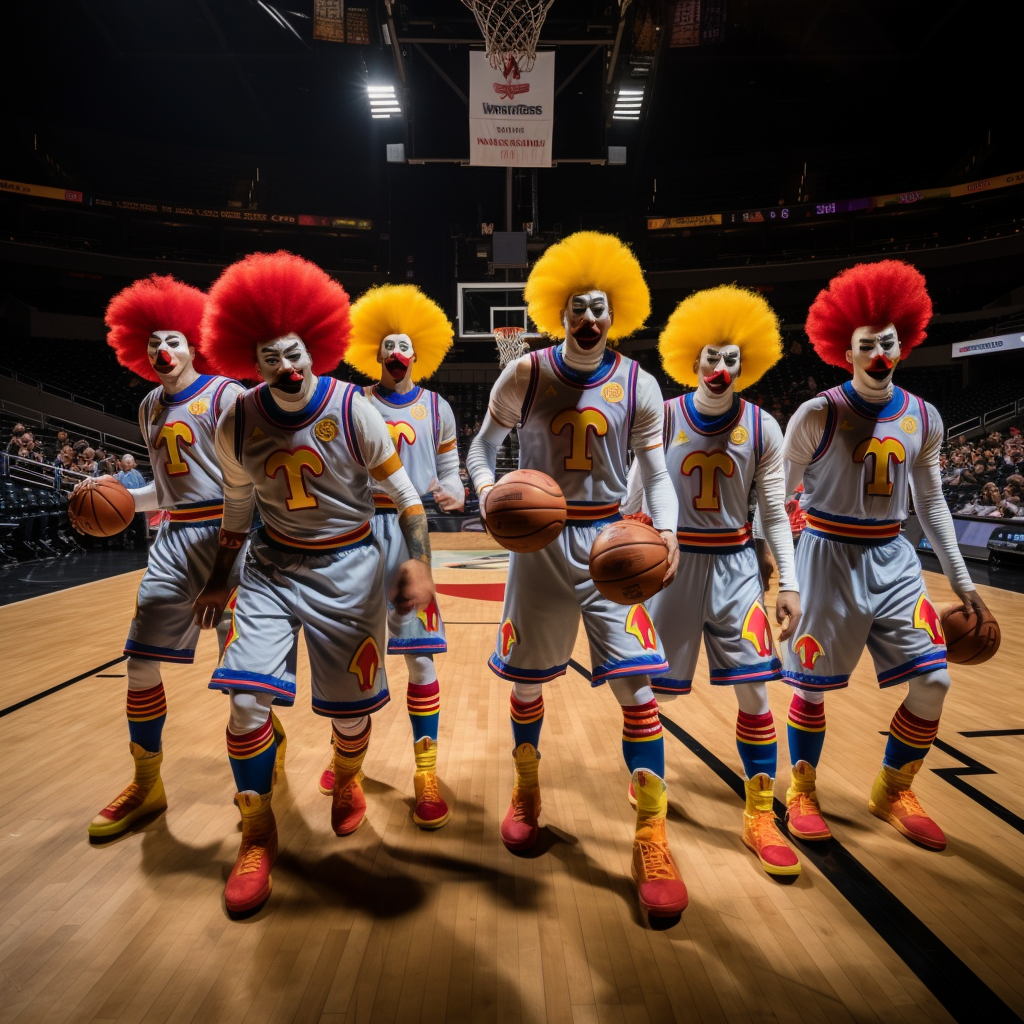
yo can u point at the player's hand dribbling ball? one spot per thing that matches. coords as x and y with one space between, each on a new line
972 635
525 510
101 507
628 562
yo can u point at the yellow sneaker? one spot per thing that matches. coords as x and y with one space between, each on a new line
430 811
894 801
144 795
761 833
803 815
659 885
519 828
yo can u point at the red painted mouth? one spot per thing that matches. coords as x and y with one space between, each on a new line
718 382
397 366
289 383
163 362
587 335
880 368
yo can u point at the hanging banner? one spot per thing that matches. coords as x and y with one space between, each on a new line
511 115
986 346
329 20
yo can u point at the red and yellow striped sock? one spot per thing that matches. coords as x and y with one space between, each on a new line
147 712
252 757
757 744
910 738
643 740
527 719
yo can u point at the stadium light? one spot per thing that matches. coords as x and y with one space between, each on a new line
628 103
383 101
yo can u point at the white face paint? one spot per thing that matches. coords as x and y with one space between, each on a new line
285 364
717 368
874 356
170 355
396 355
587 318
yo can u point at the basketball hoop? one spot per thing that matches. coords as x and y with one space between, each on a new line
510 344
510 29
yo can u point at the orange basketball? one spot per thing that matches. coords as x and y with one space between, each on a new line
102 511
628 562
525 510
970 639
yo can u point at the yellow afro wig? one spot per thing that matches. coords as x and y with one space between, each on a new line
586 261
398 309
725 315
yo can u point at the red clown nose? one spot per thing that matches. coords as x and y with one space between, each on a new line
163 361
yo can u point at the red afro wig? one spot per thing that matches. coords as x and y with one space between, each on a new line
157 303
266 296
869 295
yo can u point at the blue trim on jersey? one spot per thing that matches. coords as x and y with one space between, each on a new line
758 434
665 685
830 428
350 424
646 664
417 645
531 387
525 675
228 679
896 406
861 542
435 418
295 420
351 708
604 371
149 652
707 425
394 398
190 392
634 378
808 682
757 672
314 552
933 661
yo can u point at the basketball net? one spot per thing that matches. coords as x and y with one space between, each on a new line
510 344
510 29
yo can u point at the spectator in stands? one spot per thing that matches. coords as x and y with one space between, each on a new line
79 447
62 439
87 462
65 458
985 504
15 442
130 475
1012 503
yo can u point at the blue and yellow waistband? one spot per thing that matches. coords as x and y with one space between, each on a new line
717 542
324 546
587 513
204 512
851 530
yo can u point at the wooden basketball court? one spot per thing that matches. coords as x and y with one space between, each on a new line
396 924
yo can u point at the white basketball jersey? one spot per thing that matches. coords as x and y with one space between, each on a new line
861 468
312 488
711 463
576 429
180 433
414 423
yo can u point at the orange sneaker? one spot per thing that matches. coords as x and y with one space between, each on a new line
761 833
249 884
893 800
659 885
803 815
519 828
144 795
430 811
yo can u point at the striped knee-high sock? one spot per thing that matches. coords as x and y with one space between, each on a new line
527 718
424 704
756 742
806 730
349 751
910 738
147 712
252 758
643 742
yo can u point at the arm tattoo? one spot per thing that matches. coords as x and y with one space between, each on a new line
413 525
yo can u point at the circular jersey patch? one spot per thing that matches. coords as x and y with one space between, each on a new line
612 392
419 411
909 425
326 430
739 435
198 408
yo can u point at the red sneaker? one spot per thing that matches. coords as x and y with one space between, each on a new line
249 884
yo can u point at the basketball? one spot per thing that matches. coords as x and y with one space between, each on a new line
628 562
970 639
525 510
102 511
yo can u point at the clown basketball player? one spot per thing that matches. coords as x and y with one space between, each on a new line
861 449
717 447
579 406
303 448
402 336
154 326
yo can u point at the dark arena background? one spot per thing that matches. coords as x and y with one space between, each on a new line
769 144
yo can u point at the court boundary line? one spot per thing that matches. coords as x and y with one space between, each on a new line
960 991
60 686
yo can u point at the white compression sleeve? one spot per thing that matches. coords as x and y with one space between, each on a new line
448 473
771 503
483 452
634 499
239 493
144 497
658 490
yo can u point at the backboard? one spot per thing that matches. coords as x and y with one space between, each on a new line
484 305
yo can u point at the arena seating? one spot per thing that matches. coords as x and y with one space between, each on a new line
33 524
